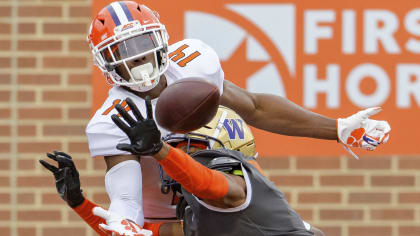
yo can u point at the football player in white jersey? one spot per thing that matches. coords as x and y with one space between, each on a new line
130 46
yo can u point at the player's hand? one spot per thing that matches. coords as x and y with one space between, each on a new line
116 225
360 131
66 178
143 133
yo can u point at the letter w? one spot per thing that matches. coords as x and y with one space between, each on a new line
232 127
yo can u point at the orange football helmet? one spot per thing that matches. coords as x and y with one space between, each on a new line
125 31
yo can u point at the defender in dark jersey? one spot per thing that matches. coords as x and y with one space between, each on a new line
263 209
221 187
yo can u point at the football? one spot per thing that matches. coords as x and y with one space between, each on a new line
187 105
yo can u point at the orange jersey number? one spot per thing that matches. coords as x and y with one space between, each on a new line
114 103
180 57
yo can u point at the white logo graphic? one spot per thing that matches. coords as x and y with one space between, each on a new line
225 37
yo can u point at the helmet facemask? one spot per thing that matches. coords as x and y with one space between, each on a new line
132 42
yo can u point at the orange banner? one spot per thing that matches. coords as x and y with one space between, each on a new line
332 57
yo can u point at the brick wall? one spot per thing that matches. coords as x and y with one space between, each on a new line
45 99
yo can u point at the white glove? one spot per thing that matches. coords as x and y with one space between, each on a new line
360 131
116 225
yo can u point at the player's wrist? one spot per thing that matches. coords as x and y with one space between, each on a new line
338 130
85 207
157 147
76 200
163 152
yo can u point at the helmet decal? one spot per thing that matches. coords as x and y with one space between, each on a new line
119 13
232 127
126 11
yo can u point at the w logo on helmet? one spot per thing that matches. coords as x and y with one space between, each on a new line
235 128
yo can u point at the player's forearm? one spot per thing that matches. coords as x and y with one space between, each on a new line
124 187
279 115
85 212
194 177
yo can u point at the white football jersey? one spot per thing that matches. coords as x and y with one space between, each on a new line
189 58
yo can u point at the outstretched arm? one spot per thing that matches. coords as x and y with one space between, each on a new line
277 114
68 187
212 186
104 222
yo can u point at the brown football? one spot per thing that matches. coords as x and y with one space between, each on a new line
187 105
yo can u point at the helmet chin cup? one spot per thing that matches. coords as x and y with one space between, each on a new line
142 73
144 76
